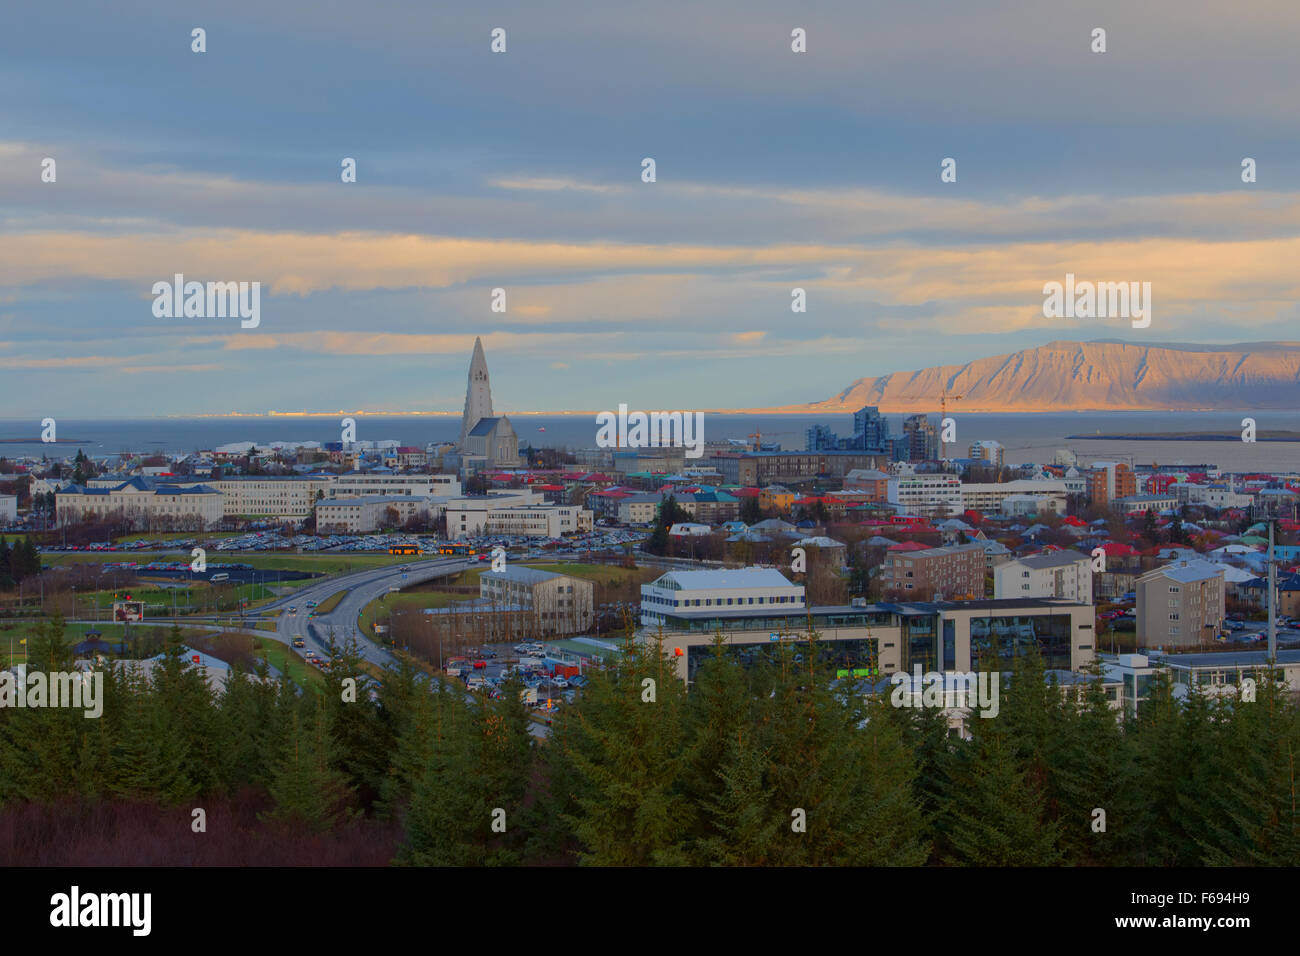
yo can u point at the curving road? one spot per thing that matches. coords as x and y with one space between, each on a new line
361 588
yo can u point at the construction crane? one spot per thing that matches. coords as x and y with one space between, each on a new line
758 440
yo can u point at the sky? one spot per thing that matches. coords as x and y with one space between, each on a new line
522 171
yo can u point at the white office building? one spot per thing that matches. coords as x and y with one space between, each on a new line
421 486
935 495
706 594
988 497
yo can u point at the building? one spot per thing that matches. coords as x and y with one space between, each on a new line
991 452
1138 504
933 495
642 508
8 509
291 497
1209 496
988 497
760 468
1180 605
820 438
486 441
1053 574
469 515
368 513
875 484
1027 506
921 437
538 521
139 502
1109 480
359 484
561 604
684 596
861 640
955 572
520 512
871 429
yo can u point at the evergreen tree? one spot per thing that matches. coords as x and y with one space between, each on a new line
628 760
306 788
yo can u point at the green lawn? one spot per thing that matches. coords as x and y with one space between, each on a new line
287 661
330 603
320 563
377 611
159 602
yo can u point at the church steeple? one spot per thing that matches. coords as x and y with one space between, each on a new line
478 392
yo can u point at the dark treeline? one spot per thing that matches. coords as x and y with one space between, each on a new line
769 765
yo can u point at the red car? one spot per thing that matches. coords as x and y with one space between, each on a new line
479 664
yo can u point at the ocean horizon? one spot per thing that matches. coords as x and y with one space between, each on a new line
1027 437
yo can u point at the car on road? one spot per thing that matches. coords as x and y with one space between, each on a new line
479 665
299 642
293 610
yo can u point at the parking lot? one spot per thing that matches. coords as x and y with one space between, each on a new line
488 667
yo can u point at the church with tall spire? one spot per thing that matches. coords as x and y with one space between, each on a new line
486 440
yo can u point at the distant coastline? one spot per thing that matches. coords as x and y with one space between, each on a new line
1274 435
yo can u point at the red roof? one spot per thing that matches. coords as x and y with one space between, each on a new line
1118 550
908 546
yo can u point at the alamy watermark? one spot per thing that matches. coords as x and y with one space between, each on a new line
1098 300
56 689
949 689
651 430
215 300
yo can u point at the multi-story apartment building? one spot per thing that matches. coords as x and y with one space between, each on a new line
953 573
871 429
8 508
561 604
922 438
1180 605
1052 574
991 452
642 508
1109 480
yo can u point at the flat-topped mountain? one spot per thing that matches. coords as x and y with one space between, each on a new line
1092 376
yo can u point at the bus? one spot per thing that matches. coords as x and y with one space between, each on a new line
405 549
455 548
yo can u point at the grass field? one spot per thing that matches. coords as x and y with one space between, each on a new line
287 661
320 563
377 611
330 603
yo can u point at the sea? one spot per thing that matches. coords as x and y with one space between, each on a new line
1026 437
